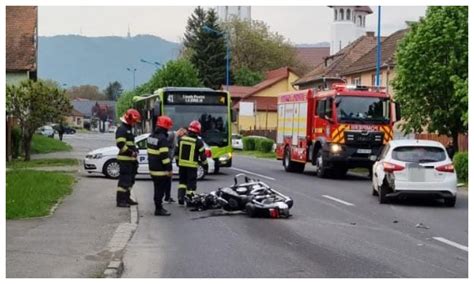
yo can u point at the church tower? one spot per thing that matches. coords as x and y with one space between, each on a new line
348 25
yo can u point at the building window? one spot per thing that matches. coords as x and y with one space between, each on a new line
348 16
341 12
359 21
335 15
356 81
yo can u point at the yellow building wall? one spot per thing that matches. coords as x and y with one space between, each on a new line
366 78
263 120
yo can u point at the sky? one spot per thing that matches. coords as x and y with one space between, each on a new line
301 24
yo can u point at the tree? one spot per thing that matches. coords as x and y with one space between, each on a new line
35 104
89 92
255 47
113 91
207 50
247 77
432 70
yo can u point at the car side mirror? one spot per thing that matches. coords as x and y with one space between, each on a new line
398 114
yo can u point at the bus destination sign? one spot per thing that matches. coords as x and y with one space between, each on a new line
195 99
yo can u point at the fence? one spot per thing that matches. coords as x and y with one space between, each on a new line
443 139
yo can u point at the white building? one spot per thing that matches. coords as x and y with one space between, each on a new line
348 25
226 13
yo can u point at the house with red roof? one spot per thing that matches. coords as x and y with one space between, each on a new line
257 105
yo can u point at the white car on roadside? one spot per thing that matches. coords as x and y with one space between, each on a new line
46 130
104 160
414 167
237 142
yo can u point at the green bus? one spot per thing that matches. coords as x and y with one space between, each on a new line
210 107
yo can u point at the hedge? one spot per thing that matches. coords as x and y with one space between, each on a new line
249 143
461 165
265 145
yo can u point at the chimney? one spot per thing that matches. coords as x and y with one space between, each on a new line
371 34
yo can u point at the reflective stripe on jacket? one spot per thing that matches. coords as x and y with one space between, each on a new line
125 141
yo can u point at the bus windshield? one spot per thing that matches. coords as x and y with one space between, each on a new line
213 119
363 109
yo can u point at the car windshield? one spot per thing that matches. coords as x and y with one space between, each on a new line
363 110
213 119
419 154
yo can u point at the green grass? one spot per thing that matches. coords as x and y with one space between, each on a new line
42 163
33 193
42 144
257 154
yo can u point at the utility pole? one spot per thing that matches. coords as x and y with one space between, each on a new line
133 70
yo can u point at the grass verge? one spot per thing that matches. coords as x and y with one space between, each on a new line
257 154
42 144
42 163
33 193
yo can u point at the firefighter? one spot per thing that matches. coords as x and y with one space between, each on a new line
189 155
127 157
159 162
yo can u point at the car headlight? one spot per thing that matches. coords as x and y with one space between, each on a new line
95 156
335 148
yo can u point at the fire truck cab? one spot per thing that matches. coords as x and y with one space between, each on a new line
337 129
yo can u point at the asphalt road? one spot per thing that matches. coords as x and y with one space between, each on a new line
338 229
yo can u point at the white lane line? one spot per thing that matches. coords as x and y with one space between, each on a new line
252 173
451 243
338 200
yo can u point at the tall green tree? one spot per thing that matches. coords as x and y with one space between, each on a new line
255 47
432 71
113 90
90 92
246 77
175 73
34 104
206 47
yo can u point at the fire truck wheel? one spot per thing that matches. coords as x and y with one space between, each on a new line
321 171
291 166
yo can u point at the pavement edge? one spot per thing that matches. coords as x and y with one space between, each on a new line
118 243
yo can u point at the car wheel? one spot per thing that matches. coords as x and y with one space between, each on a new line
73 131
289 165
450 201
111 169
201 173
216 166
382 194
321 170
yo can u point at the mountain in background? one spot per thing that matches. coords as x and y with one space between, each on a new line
77 60
319 44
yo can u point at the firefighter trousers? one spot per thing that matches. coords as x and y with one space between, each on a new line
187 181
161 186
128 171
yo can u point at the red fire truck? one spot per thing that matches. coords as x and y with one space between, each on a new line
338 129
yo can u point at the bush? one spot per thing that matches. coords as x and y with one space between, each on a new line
265 145
16 142
461 165
249 143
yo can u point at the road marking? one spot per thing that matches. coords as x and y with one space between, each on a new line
252 173
451 243
338 200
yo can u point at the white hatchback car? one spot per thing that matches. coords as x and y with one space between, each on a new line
237 142
414 167
104 160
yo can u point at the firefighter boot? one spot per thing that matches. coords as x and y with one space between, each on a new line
129 200
181 193
122 199
160 211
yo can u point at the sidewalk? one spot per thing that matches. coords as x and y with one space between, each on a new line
73 242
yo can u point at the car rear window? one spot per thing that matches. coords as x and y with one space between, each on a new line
419 154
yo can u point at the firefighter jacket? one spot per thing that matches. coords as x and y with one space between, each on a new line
191 151
158 149
126 143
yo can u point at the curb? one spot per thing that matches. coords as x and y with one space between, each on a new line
118 243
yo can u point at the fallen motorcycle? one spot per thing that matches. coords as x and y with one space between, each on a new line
254 197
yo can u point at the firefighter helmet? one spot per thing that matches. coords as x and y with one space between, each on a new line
195 126
164 122
132 116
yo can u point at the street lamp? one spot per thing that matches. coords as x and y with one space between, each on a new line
155 63
227 66
133 71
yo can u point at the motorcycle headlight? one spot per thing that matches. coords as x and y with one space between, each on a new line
335 148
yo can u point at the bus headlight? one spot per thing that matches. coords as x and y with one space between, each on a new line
335 148
225 157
